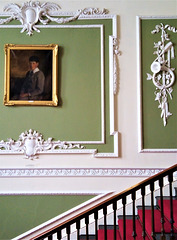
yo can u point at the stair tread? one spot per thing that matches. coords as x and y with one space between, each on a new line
129 229
157 221
166 204
110 234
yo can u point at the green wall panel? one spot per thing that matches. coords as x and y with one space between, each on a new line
155 135
21 213
75 83
78 116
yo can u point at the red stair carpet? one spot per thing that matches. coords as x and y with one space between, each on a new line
138 223
110 233
166 204
129 228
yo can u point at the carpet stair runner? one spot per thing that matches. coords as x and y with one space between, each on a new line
166 204
129 227
138 222
110 233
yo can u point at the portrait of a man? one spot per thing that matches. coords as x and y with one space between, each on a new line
31 76
33 84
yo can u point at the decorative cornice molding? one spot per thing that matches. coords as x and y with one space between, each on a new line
79 172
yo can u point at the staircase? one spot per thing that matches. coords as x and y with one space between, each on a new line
146 211
139 226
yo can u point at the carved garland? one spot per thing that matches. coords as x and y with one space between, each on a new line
163 77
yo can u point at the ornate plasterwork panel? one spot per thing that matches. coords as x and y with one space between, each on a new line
34 17
156 76
163 76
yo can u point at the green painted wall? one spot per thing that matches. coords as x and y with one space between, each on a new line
21 213
78 116
155 135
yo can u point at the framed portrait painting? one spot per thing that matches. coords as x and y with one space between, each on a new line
31 75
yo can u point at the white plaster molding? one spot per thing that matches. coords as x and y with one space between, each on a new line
78 150
116 52
78 172
139 84
94 11
31 143
113 154
113 63
102 141
113 78
51 193
31 13
102 62
42 10
159 150
163 77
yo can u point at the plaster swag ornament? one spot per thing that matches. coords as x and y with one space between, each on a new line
31 143
31 13
163 75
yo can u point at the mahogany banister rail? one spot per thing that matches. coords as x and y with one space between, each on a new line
168 174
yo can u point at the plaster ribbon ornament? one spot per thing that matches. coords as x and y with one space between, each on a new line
31 13
31 143
163 75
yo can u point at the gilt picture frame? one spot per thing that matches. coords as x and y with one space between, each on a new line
31 75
